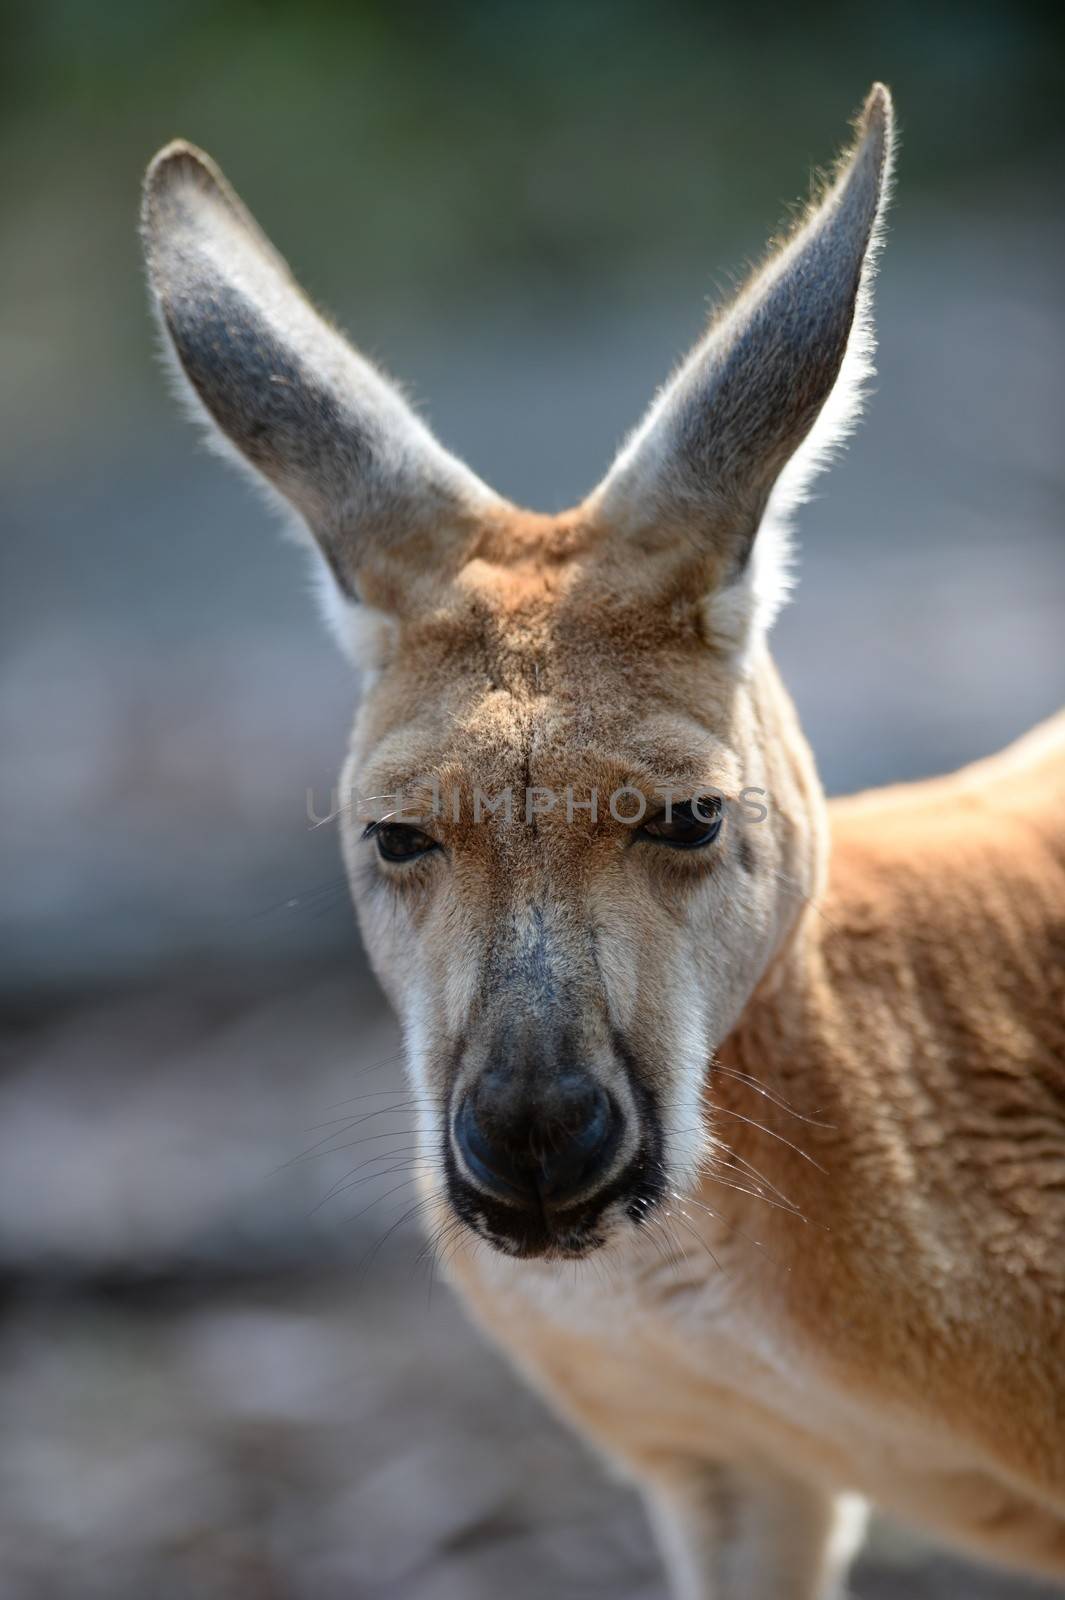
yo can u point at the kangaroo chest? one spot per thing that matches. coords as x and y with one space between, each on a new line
684 1363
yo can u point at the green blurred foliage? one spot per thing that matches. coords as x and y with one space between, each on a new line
399 153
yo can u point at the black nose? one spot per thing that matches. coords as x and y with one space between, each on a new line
537 1152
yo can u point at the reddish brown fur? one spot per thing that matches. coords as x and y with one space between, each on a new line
913 1011
918 1012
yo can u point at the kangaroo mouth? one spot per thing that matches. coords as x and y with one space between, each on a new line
569 1234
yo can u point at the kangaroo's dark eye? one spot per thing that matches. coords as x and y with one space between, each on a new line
398 841
690 826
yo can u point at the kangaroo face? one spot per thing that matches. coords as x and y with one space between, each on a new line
576 815
563 955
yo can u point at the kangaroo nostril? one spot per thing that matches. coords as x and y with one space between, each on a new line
537 1153
571 1156
490 1160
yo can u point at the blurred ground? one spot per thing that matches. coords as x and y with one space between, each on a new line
242 1397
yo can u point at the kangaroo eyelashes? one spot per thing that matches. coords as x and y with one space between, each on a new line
397 841
690 826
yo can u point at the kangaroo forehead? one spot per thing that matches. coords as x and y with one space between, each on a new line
506 741
571 645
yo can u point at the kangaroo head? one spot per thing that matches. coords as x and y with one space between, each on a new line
578 818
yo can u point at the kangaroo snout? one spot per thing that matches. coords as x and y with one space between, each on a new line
542 1150
537 1148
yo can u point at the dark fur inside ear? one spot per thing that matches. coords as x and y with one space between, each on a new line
285 420
315 419
706 459
781 349
287 423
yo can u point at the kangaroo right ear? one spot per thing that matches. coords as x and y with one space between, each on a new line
320 424
778 376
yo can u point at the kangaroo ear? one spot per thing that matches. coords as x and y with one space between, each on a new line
695 480
320 424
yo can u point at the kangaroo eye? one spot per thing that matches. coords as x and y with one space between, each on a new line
690 826
397 841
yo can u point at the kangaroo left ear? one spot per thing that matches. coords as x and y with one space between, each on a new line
388 507
780 368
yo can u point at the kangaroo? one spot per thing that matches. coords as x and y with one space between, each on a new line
740 1114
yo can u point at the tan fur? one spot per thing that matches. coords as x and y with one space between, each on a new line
889 1320
904 1337
846 1278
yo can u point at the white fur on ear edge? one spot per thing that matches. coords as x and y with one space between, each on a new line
739 617
366 635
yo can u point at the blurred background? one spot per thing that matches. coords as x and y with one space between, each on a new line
219 1377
